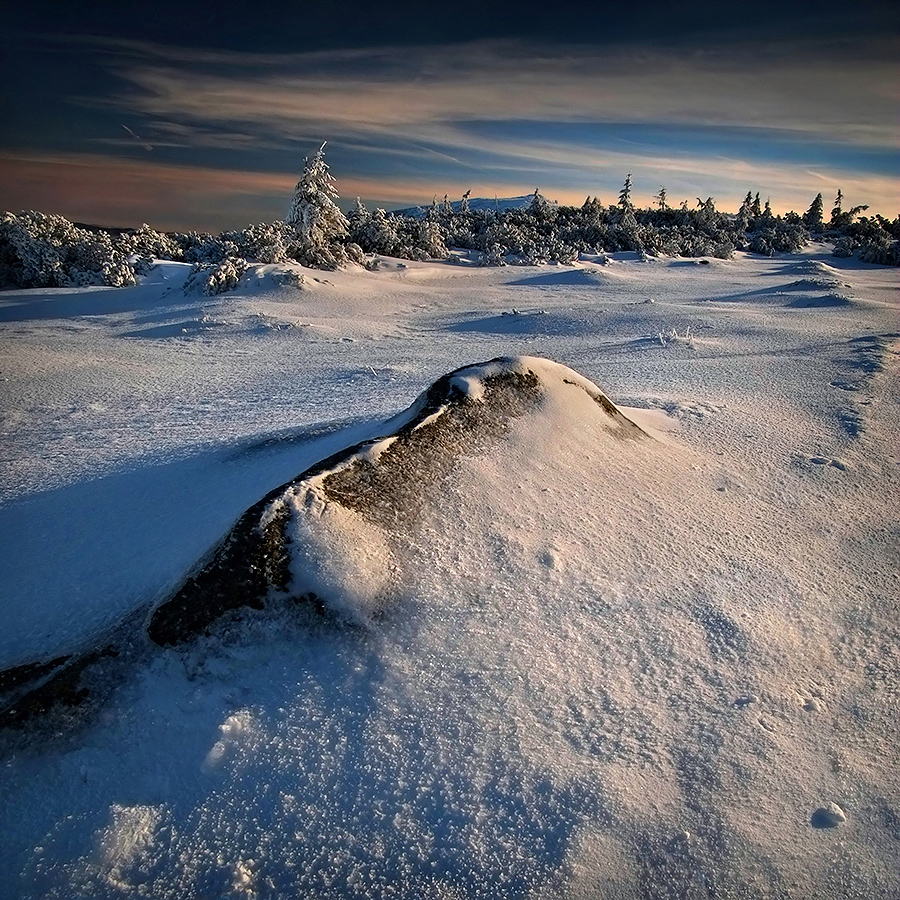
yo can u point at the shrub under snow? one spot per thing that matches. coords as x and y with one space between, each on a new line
40 250
216 279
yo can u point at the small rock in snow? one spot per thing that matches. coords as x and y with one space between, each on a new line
828 816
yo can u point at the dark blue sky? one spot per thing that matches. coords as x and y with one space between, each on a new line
200 114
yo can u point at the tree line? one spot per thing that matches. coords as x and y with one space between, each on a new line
43 250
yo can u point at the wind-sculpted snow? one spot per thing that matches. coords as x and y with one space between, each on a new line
510 646
331 536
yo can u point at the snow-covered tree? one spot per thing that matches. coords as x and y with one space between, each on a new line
813 218
377 234
541 207
625 193
756 207
660 197
836 209
218 278
314 215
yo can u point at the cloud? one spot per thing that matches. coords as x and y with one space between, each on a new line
111 191
789 86
492 112
788 119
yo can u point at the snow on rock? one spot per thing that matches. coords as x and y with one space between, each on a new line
336 532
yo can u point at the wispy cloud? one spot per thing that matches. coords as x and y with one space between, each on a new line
791 87
491 116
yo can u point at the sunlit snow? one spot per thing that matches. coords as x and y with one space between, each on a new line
567 665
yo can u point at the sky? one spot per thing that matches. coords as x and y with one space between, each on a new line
200 115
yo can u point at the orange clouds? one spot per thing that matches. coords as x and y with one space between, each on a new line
111 191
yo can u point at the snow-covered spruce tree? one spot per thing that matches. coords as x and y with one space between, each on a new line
315 217
707 217
431 234
836 209
813 218
541 208
357 216
625 194
661 198
756 207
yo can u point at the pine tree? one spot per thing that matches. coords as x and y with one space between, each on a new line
745 213
625 194
836 209
756 208
660 198
464 203
707 213
813 219
314 215
540 207
358 215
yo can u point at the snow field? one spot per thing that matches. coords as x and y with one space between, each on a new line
598 668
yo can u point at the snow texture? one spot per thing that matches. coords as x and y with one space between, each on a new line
576 666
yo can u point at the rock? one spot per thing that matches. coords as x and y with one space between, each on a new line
828 816
334 520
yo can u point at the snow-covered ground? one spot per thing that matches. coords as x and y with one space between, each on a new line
598 667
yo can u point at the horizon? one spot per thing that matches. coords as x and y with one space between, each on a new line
201 118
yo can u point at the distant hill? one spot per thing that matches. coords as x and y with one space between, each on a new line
475 204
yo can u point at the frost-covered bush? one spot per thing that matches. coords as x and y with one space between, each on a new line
375 233
264 243
216 279
880 249
40 250
777 235
845 247
146 242
492 256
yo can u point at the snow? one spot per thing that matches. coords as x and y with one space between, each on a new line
573 666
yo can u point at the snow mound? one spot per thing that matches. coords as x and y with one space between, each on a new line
339 532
